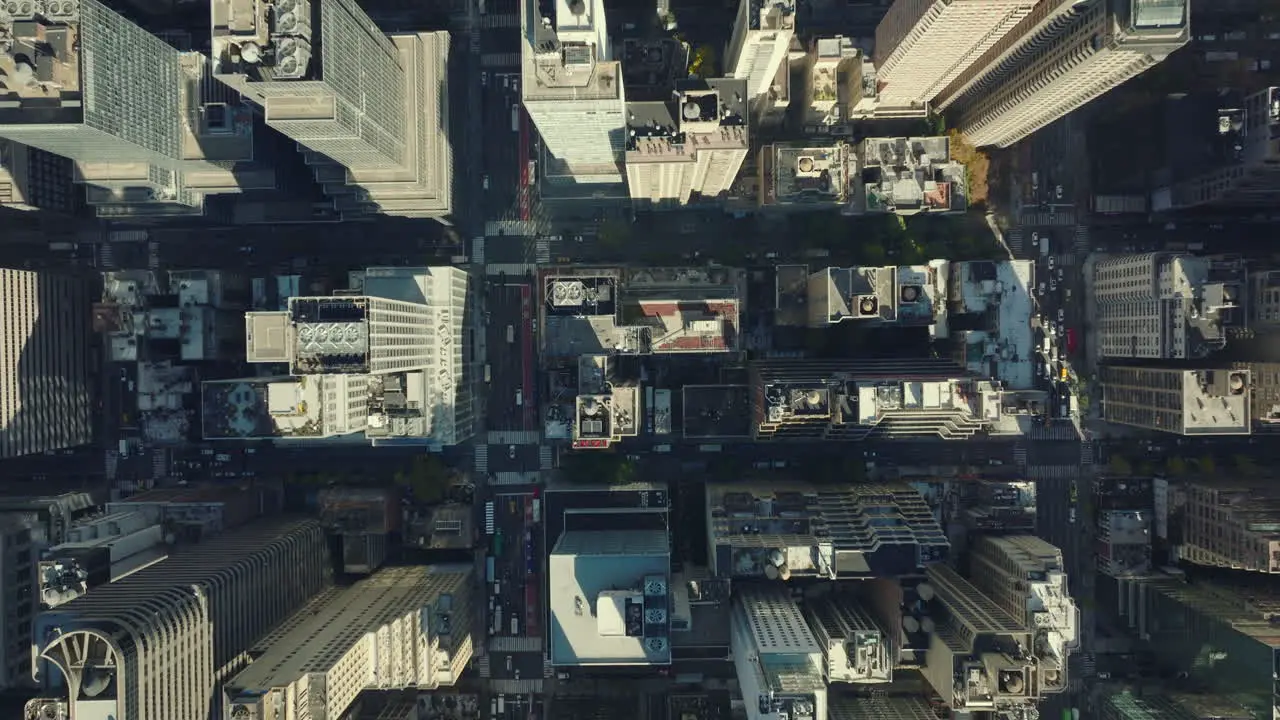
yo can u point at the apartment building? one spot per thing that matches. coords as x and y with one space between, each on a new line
1184 402
758 47
1167 305
46 401
1067 59
1230 523
369 109
693 144
922 45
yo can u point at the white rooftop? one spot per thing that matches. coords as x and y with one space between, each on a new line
597 587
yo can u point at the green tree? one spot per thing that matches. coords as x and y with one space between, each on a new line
614 234
1119 466
427 479
1176 466
1245 465
1206 464
598 467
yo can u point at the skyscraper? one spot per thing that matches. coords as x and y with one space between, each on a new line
138 117
922 45
1062 57
369 108
157 644
45 401
572 89
401 343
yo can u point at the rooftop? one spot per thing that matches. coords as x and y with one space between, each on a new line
771 15
329 334
858 293
609 598
910 175
567 59
650 67
713 412
602 419
268 337
267 41
1215 401
701 115
793 528
806 175
984 288
40 62
262 408
654 310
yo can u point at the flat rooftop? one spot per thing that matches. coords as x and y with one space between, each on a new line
42 68
701 116
1216 401
609 599
716 411
806 175
910 174
262 407
1005 287
654 310
859 293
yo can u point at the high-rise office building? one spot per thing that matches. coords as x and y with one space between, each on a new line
1229 523
572 89
402 342
778 661
404 627
1174 400
979 656
370 109
759 45
922 45
1166 305
158 644
1244 169
45 396
1061 57
148 132
694 143
855 647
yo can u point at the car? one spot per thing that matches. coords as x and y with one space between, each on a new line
1057 192
1041 293
508 663
511 452
993 461
1035 237
485 182
1051 262
1062 314
1071 516
484 79
533 325
1053 285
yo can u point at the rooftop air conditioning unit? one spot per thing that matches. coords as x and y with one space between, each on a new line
61 10
293 57
868 305
21 9
807 166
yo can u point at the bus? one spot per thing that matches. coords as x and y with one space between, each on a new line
489 569
488 373
497 543
515 118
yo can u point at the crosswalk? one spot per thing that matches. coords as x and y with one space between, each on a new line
105 259
1015 241
543 256
1045 219
110 464
482 667
515 478
1089 664
1020 455
488 22
1086 452
1081 240
545 460
521 228
500 60
548 670
489 523
1054 431
482 458
477 251
510 268
514 437
1050 472
159 464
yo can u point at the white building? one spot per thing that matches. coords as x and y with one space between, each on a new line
370 109
1176 400
1061 66
310 407
854 646
1165 305
572 90
404 627
778 661
1024 575
694 143
402 341
761 40
45 401
156 645
922 45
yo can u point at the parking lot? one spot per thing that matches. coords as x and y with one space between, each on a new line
508 332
